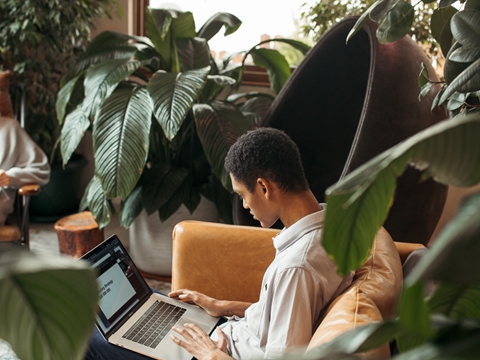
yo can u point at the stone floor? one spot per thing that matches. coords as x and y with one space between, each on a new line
43 239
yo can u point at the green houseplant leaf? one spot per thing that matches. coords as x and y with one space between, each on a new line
102 79
396 24
121 139
75 126
213 25
359 203
131 207
48 305
107 45
456 301
276 65
454 252
160 184
95 200
173 95
219 125
466 27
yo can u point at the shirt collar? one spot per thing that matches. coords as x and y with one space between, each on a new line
289 236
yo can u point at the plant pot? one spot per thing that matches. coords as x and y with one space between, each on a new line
60 197
151 239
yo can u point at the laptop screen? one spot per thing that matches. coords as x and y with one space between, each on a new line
121 286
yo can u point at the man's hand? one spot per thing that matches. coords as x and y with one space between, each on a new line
198 343
210 305
4 179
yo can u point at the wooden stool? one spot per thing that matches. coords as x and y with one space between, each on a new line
78 233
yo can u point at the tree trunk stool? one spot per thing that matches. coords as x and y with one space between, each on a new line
78 233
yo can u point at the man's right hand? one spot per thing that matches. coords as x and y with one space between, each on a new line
212 306
4 179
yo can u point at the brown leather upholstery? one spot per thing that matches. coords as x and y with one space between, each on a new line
228 262
352 309
223 261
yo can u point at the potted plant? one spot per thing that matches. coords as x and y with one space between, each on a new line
445 324
39 42
162 114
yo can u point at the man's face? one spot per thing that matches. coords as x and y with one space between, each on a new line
257 202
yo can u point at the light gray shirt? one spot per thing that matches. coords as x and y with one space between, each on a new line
300 281
23 161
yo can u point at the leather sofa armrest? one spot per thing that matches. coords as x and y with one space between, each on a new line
226 262
404 249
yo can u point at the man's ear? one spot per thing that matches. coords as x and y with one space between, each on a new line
265 187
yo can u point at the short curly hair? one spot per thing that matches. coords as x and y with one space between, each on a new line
268 153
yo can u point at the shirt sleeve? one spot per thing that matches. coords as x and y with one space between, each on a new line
295 302
27 163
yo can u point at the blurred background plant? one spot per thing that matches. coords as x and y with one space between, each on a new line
39 42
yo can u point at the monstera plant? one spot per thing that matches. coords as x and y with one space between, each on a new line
446 324
162 114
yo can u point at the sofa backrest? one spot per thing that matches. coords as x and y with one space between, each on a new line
370 298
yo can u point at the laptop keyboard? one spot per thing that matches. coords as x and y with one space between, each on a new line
152 327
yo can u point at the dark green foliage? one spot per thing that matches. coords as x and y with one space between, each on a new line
39 41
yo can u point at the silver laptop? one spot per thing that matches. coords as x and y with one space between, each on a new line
131 315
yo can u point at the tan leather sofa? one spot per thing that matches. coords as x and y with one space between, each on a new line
228 262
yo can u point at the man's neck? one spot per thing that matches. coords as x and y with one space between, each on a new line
299 206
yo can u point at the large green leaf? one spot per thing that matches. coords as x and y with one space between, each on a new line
359 203
121 139
102 79
160 184
176 200
440 27
455 340
131 207
75 126
47 307
465 54
276 65
193 53
457 301
157 27
219 125
360 339
466 27
298 45
467 81
173 95
94 199
380 9
213 25
396 24
362 21
63 98
107 45
454 255
414 315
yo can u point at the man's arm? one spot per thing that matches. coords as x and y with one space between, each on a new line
212 306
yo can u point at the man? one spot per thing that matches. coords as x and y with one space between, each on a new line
266 171
21 162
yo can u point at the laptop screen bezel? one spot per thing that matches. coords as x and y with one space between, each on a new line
140 297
